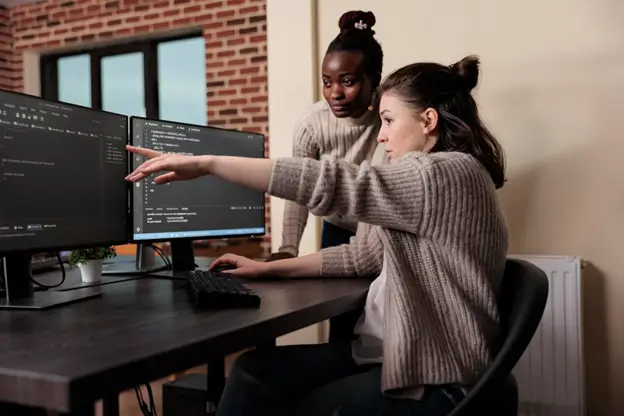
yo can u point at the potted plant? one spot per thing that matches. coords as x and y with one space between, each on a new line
90 261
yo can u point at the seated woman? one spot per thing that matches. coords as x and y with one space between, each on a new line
432 236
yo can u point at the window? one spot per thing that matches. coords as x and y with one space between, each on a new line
163 79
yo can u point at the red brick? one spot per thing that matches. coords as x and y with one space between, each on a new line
260 99
162 26
224 54
226 92
226 33
183 22
213 5
236 41
258 39
237 62
192 9
247 10
248 90
225 13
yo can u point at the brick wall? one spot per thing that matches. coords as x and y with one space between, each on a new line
236 47
5 49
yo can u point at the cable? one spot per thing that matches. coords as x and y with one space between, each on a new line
145 409
161 254
41 285
151 399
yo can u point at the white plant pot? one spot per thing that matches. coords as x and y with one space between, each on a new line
91 271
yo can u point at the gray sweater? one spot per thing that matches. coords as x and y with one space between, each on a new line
437 219
320 134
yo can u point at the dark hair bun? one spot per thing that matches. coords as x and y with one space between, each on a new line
468 70
357 21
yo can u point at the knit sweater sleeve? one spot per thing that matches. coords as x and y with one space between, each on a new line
391 196
305 145
362 257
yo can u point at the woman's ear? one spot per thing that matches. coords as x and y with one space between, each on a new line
430 121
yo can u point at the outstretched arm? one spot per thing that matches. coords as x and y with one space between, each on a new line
391 196
388 195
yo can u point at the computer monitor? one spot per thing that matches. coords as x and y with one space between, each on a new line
62 186
205 208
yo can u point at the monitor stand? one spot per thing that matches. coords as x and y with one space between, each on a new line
19 292
144 263
182 261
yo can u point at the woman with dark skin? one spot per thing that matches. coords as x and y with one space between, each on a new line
343 126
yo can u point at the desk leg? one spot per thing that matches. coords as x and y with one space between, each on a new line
215 383
110 406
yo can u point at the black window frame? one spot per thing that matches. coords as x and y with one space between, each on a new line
149 48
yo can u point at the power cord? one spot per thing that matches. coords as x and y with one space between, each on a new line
145 409
161 254
46 287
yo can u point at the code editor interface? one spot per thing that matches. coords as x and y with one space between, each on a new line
207 207
62 172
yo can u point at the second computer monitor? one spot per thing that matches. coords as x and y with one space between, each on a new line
204 208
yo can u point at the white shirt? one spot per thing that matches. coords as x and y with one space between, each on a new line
368 348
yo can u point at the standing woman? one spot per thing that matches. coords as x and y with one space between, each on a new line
344 126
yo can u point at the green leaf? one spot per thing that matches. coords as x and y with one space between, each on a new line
83 255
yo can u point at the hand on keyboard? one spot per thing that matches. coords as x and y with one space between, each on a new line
239 266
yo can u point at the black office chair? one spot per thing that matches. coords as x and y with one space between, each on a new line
523 298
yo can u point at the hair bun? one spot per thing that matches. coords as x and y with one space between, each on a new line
468 70
357 20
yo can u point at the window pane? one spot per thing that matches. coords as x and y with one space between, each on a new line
182 80
74 80
123 84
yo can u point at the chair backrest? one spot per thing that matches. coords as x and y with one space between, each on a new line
522 301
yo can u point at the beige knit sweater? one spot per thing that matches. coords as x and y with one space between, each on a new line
320 134
438 220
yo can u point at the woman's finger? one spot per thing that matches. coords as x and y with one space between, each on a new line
136 176
224 259
151 162
157 165
166 178
143 170
143 151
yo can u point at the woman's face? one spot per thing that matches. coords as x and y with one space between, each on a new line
346 87
403 130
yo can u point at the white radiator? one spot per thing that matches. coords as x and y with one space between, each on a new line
550 374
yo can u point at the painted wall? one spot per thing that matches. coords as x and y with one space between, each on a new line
552 91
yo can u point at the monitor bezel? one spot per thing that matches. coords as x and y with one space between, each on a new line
114 242
195 238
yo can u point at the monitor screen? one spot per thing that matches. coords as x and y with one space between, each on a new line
62 170
204 208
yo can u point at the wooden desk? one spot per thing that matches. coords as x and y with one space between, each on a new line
65 359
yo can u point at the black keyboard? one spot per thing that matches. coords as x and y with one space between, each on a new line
219 290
